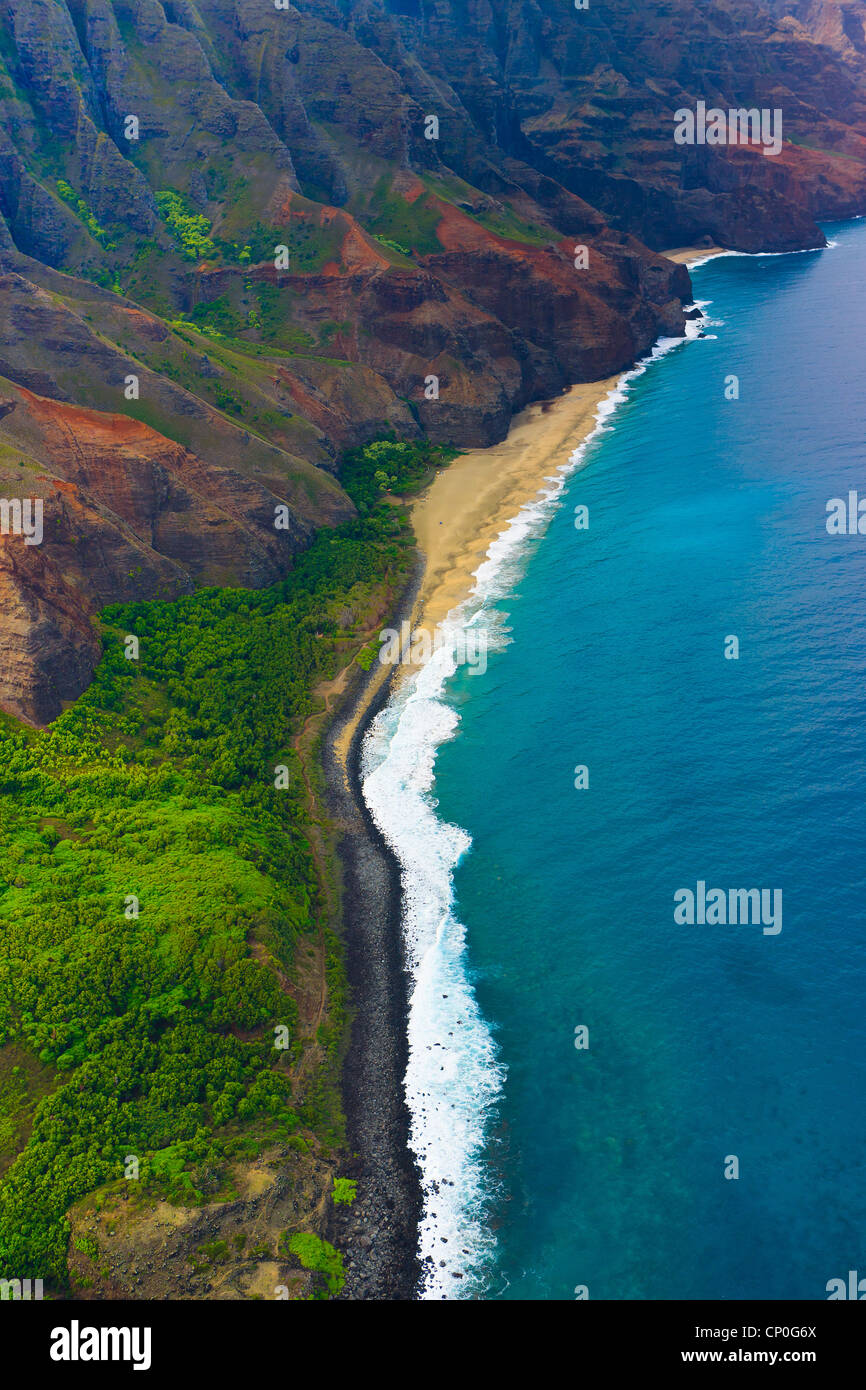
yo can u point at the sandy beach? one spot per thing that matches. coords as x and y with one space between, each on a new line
463 510
684 255
472 501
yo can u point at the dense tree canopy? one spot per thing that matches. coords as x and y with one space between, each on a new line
143 846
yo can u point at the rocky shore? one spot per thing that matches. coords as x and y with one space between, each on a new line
380 1229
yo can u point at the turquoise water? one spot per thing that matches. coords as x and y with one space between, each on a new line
707 519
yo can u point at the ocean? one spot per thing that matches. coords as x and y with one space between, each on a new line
606 1101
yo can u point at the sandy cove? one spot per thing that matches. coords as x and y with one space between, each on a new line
468 504
687 255
472 501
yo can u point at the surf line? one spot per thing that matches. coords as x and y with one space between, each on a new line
454 1076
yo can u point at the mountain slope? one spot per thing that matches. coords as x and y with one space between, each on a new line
239 208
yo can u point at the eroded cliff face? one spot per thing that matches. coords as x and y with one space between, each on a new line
127 511
283 225
123 511
837 24
589 97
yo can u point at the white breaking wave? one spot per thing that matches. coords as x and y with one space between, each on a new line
454 1077
754 255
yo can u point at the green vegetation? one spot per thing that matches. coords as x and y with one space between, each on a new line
24 1081
407 227
392 245
216 1251
345 1192
217 316
311 244
329 329
503 221
388 465
507 224
400 224
82 211
318 1255
87 1246
143 280
228 400
191 229
151 874
274 313
367 655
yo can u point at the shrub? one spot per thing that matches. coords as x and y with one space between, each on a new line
345 1192
318 1255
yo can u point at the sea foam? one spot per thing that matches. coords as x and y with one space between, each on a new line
454 1077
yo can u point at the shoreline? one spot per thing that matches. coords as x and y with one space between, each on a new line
380 1229
694 255
469 504
466 507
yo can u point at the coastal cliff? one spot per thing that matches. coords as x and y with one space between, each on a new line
471 200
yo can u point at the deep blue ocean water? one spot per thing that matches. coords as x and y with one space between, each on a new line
707 519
